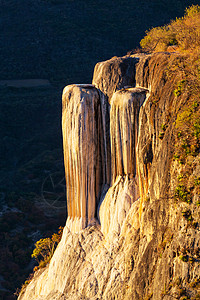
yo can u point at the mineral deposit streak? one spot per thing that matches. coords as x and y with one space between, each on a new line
87 139
125 106
83 153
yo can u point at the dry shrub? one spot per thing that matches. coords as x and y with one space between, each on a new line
183 32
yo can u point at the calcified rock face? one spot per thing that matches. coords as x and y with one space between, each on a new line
83 143
125 106
113 210
119 170
124 113
89 131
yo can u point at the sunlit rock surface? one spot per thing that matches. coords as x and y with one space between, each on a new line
124 114
116 205
135 250
83 144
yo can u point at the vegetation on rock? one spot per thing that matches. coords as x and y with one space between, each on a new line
43 252
44 248
183 71
183 32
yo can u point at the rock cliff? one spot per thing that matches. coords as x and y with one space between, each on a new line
126 235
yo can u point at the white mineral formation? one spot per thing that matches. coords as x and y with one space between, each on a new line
83 143
124 113
125 106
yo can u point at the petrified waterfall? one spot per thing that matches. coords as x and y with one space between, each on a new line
89 132
83 142
125 106
124 114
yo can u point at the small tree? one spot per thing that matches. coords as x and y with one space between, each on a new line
44 248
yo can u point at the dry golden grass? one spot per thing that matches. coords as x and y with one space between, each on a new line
183 32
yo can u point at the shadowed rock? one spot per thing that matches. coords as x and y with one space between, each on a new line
114 74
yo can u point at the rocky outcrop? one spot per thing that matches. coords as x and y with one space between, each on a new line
141 246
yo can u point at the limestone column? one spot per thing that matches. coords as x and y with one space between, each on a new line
125 106
83 143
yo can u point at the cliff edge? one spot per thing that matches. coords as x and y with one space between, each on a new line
132 230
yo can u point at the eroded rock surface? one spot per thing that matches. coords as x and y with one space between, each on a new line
124 114
116 206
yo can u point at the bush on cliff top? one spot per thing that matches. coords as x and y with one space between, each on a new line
183 37
183 32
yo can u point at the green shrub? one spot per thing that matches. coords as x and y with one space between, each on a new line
163 127
183 258
182 194
180 177
198 203
161 135
43 252
197 181
158 39
178 91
